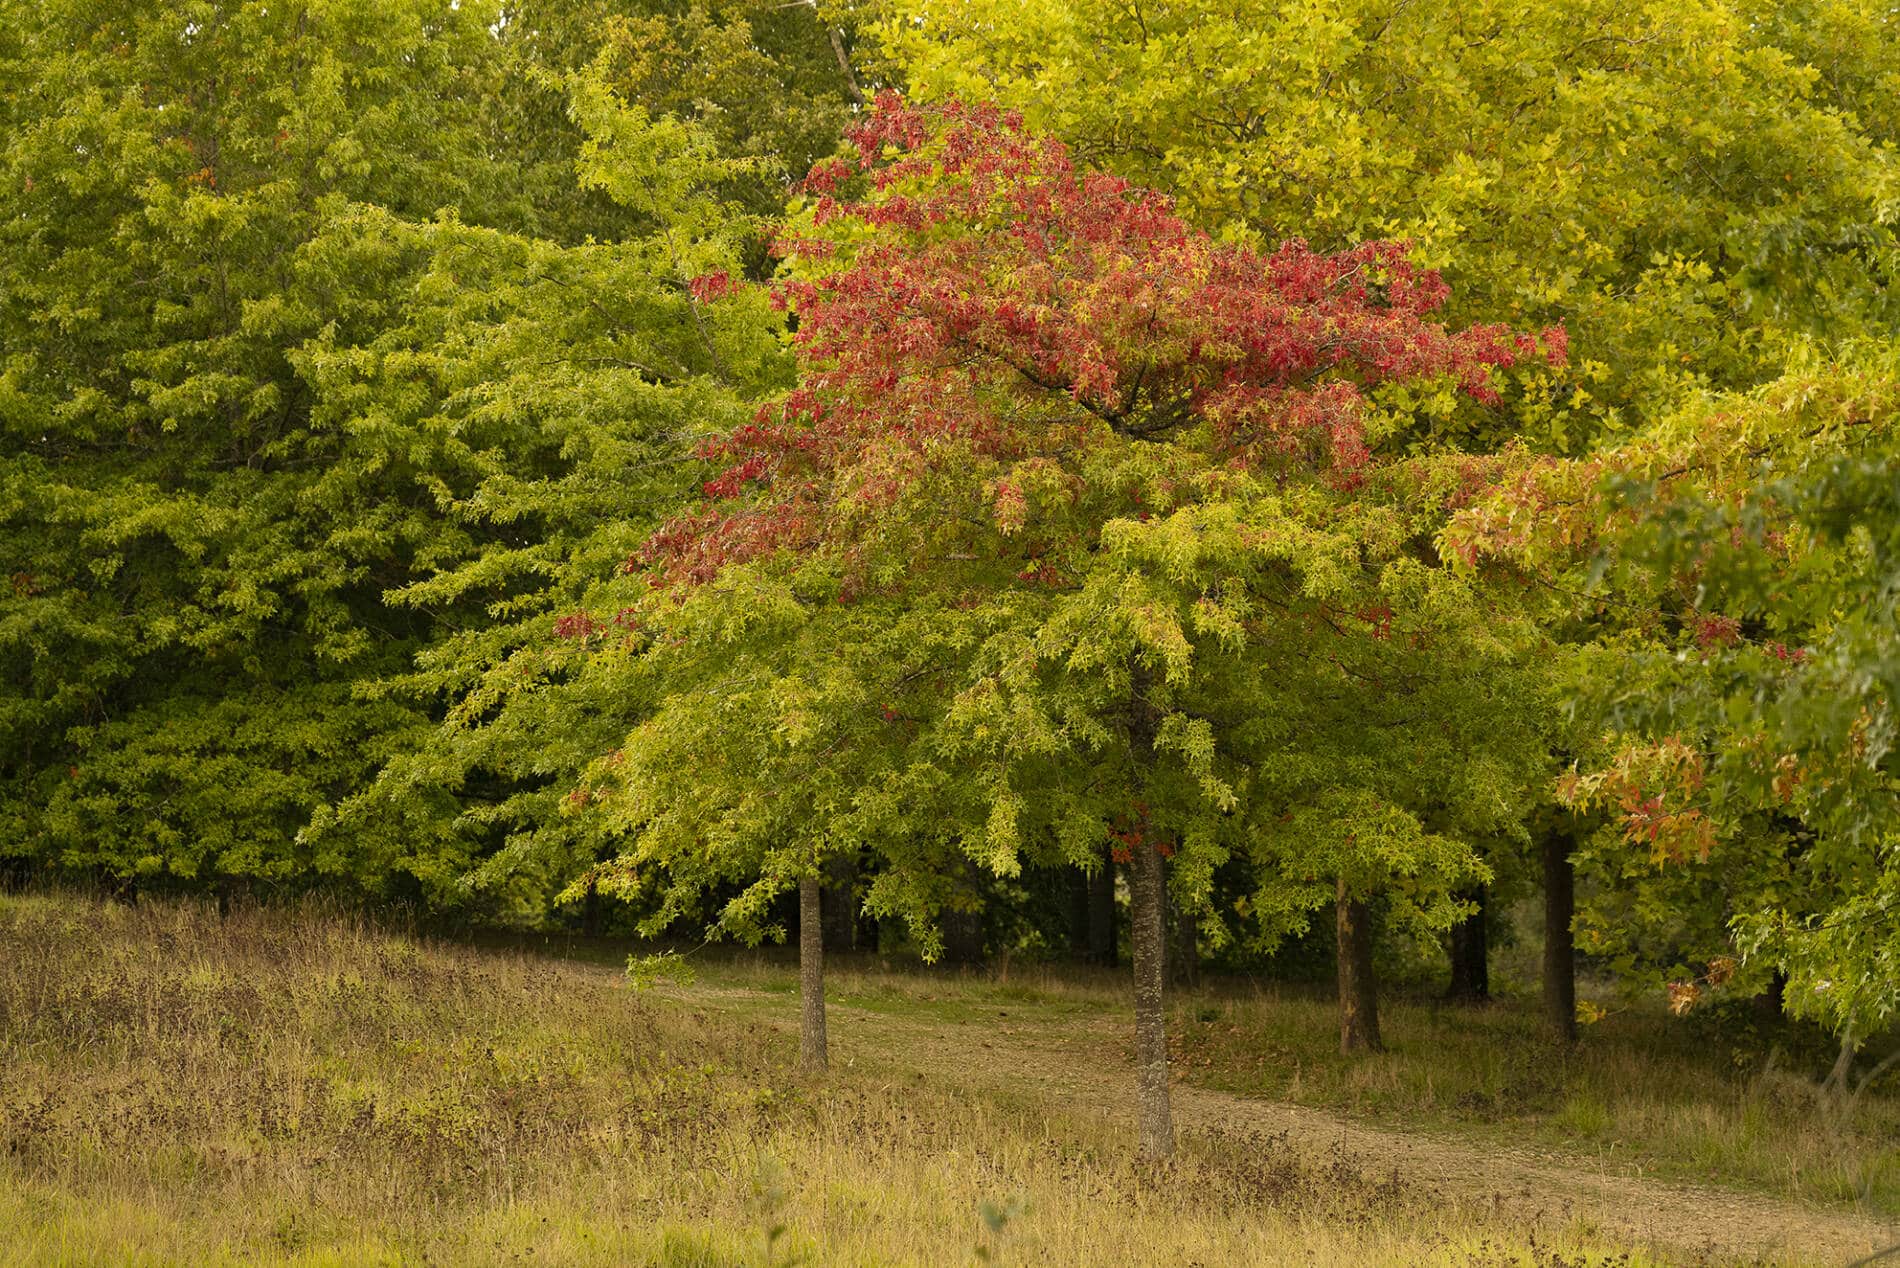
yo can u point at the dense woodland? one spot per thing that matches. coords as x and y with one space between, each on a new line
1201 486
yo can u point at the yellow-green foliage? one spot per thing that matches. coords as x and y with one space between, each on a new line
1681 184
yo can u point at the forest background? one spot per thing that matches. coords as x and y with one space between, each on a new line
370 374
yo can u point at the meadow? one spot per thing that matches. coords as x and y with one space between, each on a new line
308 1087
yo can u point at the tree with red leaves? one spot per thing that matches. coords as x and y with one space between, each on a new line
1137 495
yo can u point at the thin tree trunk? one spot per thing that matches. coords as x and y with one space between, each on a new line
1102 912
1148 941
1149 937
1358 990
811 974
1560 952
1471 953
844 65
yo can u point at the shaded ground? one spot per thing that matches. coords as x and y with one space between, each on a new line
1080 1057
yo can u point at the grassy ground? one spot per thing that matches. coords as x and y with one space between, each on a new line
1644 1091
300 1088
1665 1095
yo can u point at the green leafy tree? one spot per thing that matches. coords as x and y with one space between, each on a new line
291 329
1690 189
1741 555
1156 586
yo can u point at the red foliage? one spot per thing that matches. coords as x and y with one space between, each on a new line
708 287
998 305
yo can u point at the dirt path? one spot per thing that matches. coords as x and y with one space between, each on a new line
1082 1062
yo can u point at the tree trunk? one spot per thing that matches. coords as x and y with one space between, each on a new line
811 974
1078 913
1560 952
1102 940
1149 936
1358 990
840 905
1184 951
962 937
590 909
1768 1003
1471 953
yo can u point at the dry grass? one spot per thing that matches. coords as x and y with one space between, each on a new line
1671 1097
1680 1098
305 1088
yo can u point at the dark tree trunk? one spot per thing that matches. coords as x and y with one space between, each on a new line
1184 950
590 909
811 974
1078 913
1102 939
1149 938
1358 990
841 905
1560 952
1769 1002
962 937
1471 952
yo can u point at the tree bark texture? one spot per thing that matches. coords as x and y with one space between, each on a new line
1149 936
1560 952
811 974
1358 989
1148 941
1471 952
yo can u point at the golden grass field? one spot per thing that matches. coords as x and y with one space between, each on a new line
303 1087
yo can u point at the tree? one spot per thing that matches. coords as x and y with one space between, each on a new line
1684 187
1742 551
1690 189
1115 483
195 562
318 359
